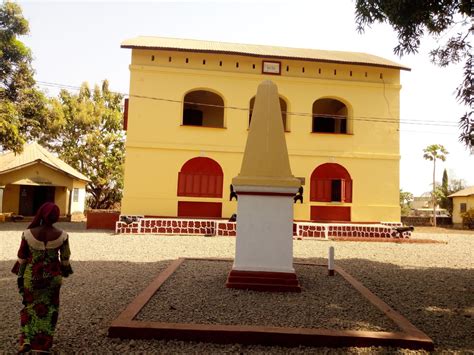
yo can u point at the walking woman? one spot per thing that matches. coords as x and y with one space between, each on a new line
43 259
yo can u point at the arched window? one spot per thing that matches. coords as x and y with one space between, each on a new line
329 116
283 108
331 182
203 108
200 177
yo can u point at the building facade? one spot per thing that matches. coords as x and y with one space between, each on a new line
188 114
36 176
463 201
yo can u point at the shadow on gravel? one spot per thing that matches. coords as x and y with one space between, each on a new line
436 300
71 227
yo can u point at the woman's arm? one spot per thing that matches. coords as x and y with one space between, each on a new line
65 254
23 254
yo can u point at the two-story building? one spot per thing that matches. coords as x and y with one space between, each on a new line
188 114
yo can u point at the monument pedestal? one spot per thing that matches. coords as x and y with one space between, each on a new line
263 281
265 188
264 246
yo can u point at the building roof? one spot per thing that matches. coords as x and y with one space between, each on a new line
32 154
252 50
469 191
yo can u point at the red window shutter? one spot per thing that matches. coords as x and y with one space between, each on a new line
125 114
200 177
203 186
181 184
319 190
343 190
196 185
348 190
219 183
312 190
211 189
199 185
322 182
189 184
326 190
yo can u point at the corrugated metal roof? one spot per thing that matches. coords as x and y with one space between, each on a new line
33 152
465 192
191 45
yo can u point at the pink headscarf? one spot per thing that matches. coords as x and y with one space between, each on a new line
47 215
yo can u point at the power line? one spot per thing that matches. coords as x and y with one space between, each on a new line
426 132
299 114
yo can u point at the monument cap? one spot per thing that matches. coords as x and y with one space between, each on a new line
266 161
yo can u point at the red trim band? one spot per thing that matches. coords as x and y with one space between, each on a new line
258 193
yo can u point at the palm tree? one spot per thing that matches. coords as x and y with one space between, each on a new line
433 152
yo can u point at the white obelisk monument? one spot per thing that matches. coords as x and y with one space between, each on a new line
265 189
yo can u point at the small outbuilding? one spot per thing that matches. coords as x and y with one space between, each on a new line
36 176
463 201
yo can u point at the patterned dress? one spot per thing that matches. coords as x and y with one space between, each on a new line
40 275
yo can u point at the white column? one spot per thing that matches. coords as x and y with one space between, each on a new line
264 230
1 199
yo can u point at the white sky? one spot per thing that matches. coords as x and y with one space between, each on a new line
74 42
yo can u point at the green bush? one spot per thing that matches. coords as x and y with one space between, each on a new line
468 218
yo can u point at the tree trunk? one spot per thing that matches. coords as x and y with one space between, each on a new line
433 195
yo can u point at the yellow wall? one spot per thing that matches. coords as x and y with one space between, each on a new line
80 204
37 175
61 199
468 200
11 198
158 145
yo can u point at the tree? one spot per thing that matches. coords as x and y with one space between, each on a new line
406 199
447 188
455 185
468 219
85 129
444 191
434 152
411 19
22 106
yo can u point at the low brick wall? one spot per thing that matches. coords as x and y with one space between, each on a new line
102 219
227 229
177 226
365 231
181 226
310 230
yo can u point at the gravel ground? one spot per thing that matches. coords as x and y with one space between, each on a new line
326 302
430 284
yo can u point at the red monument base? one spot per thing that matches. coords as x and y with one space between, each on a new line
263 281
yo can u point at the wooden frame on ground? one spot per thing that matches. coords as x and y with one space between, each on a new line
124 326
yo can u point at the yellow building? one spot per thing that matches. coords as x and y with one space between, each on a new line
463 201
36 176
188 115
